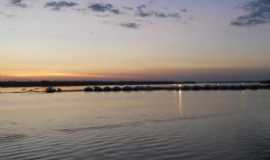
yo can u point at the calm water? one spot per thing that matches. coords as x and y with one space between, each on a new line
223 125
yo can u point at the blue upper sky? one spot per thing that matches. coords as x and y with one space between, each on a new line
135 39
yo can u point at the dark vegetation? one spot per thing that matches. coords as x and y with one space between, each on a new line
266 82
133 86
80 83
104 83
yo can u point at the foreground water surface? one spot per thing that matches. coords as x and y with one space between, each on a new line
224 125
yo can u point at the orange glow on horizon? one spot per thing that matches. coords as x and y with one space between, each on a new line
120 74
45 74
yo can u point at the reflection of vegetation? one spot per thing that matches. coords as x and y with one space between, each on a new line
88 89
98 89
50 90
53 90
127 86
195 87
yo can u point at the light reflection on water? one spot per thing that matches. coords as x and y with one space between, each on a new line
181 111
137 125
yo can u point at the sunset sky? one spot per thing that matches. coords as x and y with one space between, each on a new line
134 39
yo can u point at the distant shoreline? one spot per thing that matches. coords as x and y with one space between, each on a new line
105 83
83 83
132 86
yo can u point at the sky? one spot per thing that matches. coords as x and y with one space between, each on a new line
204 40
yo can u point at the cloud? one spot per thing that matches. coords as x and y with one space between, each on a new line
128 8
6 15
258 12
104 7
167 15
131 25
18 3
58 5
143 12
184 10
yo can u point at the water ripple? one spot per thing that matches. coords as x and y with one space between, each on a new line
144 122
11 137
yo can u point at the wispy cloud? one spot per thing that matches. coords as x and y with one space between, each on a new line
167 15
18 3
184 10
128 8
258 13
104 8
58 5
143 12
6 15
130 25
